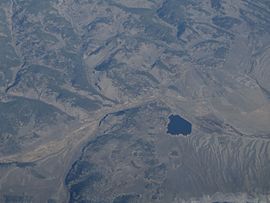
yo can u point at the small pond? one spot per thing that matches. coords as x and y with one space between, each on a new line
178 125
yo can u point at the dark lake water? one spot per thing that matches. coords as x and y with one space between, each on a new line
178 125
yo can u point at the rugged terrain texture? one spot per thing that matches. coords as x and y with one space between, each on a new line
86 88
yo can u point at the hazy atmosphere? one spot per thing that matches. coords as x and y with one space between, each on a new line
134 101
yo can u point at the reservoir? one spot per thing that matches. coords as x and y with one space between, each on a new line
178 125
